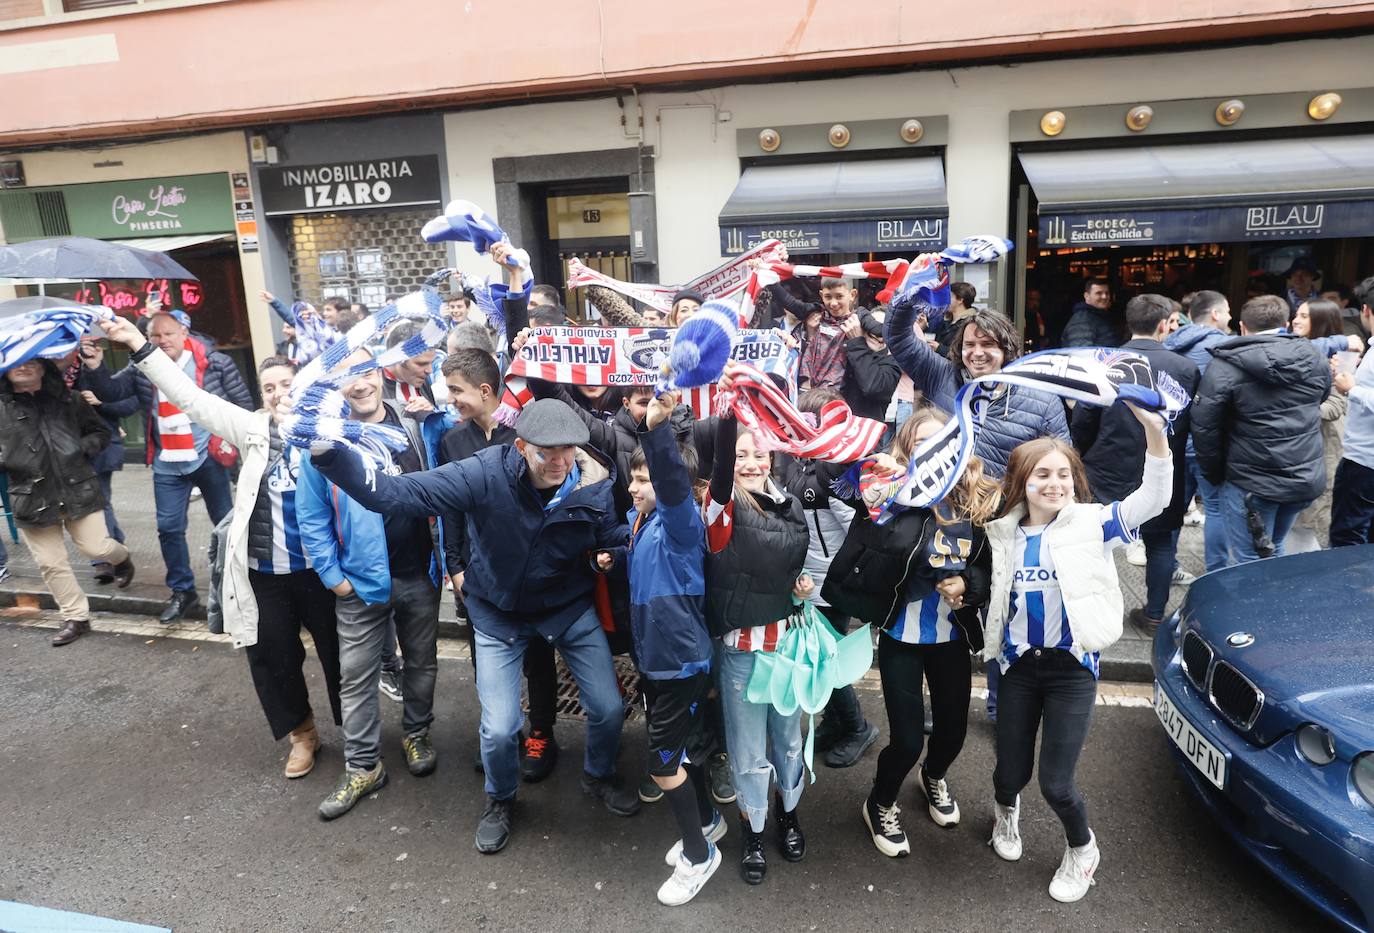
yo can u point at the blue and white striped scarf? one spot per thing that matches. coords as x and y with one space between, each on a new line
46 334
319 411
313 333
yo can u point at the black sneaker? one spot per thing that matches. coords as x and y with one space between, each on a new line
752 864
493 831
944 810
390 685
828 733
541 754
886 828
649 791
420 756
851 748
352 787
722 781
790 838
611 791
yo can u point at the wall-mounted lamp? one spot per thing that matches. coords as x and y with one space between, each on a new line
1053 123
1323 106
912 131
1230 111
769 140
838 136
1137 118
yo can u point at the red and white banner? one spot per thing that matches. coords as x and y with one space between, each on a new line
723 282
770 273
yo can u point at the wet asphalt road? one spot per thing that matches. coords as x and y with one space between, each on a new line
141 784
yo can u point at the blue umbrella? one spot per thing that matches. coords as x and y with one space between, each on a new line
81 259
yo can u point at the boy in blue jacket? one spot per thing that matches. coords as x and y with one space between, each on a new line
672 647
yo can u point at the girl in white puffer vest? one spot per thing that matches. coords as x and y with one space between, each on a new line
1046 628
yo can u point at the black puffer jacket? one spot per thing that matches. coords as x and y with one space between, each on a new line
1257 417
1090 327
47 440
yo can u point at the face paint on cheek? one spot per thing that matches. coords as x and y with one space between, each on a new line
1031 487
539 455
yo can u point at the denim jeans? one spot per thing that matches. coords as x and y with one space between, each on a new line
1216 552
172 496
1276 517
499 667
762 742
1047 691
1161 557
362 640
1352 504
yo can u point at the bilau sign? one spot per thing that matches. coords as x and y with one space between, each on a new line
848 236
350 186
1230 223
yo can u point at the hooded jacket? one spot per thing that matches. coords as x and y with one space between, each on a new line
529 568
1256 419
47 440
1091 327
1016 415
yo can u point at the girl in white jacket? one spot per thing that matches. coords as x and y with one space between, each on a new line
1047 626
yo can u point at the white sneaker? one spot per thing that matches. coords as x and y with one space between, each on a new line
1194 517
885 825
1075 874
1135 553
714 832
1006 831
1182 577
688 879
944 810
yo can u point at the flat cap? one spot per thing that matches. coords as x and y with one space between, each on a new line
547 422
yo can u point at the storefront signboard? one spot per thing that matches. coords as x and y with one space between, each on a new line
1231 223
171 206
350 186
892 234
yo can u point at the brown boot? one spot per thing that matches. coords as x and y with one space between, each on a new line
305 741
71 630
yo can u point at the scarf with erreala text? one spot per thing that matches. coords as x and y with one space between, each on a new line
625 357
1089 375
726 280
46 334
176 441
837 436
319 411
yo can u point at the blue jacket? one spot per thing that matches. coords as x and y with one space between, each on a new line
1017 415
342 538
528 568
667 570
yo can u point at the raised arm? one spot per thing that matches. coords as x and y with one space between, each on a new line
1157 485
932 375
453 487
613 308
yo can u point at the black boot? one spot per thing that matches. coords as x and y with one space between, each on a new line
181 602
752 866
123 574
790 837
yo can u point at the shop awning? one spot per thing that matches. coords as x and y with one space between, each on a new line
1225 192
839 207
165 244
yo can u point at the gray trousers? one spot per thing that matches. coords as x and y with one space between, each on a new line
363 639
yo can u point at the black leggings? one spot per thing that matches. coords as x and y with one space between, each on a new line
1046 689
947 670
286 603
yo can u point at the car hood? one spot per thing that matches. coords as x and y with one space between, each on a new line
1311 617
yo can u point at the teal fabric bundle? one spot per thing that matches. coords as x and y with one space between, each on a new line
811 662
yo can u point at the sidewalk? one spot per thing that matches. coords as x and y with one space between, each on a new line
1127 660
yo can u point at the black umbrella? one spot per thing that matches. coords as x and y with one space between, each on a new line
77 258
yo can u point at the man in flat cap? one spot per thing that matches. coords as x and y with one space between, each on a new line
535 512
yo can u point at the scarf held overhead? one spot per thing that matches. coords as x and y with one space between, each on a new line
1087 375
724 281
624 356
46 334
838 436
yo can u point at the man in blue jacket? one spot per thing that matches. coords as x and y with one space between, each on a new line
672 647
1209 327
536 512
382 567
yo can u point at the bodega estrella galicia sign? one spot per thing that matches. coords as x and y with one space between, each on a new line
1228 223
350 186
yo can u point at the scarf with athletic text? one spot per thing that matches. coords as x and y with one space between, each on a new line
625 356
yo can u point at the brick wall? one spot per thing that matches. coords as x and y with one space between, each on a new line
20 9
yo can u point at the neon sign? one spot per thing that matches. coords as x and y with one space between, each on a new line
133 299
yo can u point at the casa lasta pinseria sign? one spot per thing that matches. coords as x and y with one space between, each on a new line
146 207
350 186
1229 223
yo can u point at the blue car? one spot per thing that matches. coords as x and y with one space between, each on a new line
1264 682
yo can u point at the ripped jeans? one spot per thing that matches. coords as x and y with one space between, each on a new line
762 742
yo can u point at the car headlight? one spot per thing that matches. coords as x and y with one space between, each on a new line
1316 745
1362 773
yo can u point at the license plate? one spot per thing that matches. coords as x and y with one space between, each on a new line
1202 754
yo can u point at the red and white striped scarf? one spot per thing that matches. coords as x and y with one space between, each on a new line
177 442
724 281
893 270
839 436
